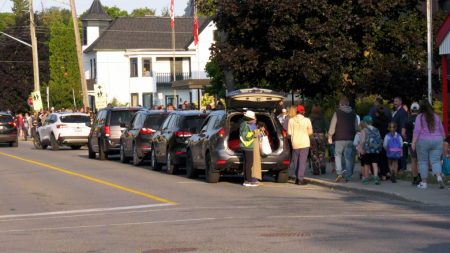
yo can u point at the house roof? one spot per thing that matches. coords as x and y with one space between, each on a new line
147 33
96 12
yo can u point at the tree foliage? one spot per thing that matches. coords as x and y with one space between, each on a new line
165 12
6 20
64 71
115 12
142 12
323 46
20 8
16 66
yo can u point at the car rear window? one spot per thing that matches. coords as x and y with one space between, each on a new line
120 117
154 121
193 123
5 118
75 119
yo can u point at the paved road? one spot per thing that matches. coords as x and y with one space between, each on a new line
64 202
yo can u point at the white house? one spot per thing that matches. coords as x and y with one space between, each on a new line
131 58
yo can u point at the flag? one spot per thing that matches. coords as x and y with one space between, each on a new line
195 30
172 15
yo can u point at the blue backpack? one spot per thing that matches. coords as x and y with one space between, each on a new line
373 143
394 149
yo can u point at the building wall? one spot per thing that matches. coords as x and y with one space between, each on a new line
201 57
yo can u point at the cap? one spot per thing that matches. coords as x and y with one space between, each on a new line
250 114
300 109
415 106
283 110
368 119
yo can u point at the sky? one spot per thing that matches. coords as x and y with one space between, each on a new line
83 5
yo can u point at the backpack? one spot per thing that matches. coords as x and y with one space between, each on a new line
394 147
373 143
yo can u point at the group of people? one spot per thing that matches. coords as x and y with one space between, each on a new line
382 140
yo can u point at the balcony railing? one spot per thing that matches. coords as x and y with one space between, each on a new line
162 78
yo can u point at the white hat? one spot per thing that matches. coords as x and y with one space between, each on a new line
283 110
415 106
250 114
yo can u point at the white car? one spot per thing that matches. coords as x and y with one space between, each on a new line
71 129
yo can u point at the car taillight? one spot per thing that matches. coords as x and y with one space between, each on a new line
61 126
286 162
284 133
146 131
180 153
183 134
12 124
107 131
221 132
221 162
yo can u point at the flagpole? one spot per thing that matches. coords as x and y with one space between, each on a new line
172 17
199 91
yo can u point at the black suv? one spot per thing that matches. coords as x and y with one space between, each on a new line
106 130
136 140
8 129
169 143
216 150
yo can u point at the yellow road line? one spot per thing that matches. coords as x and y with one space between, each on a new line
96 180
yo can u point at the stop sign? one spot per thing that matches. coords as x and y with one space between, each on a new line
30 101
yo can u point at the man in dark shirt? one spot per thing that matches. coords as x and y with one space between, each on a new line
400 116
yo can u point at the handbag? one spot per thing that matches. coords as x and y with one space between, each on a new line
264 145
446 166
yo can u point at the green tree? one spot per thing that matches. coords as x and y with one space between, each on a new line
142 12
165 12
55 15
115 12
6 20
20 7
64 72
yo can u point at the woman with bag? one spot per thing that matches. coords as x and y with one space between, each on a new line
428 138
300 128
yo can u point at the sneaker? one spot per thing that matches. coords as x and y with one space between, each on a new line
247 184
339 179
415 181
254 184
301 182
422 185
393 179
376 180
365 181
440 182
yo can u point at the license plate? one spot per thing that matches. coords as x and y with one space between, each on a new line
77 130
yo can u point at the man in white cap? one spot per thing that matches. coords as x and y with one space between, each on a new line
247 141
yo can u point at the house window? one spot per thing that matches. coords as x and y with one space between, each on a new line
147 100
146 67
95 69
133 67
84 35
134 99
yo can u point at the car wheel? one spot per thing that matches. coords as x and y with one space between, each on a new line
102 154
210 175
123 157
136 160
54 142
191 171
14 144
75 147
155 164
37 142
282 177
171 168
91 153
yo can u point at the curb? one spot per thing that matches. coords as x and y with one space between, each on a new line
344 187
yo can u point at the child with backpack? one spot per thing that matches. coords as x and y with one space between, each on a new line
393 144
369 149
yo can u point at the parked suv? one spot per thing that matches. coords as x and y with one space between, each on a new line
8 129
104 137
216 148
71 129
169 143
136 139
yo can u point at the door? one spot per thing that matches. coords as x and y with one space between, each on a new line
157 140
126 136
134 99
134 131
97 128
197 147
166 136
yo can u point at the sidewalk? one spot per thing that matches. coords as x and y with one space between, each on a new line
402 190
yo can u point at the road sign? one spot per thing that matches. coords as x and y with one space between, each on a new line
100 96
37 100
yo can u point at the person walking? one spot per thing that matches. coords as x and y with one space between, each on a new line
369 149
393 144
381 122
428 138
409 136
400 117
318 140
292 113
300 128
247 143
343 128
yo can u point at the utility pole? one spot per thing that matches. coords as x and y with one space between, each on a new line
79 54
429 49
34 48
